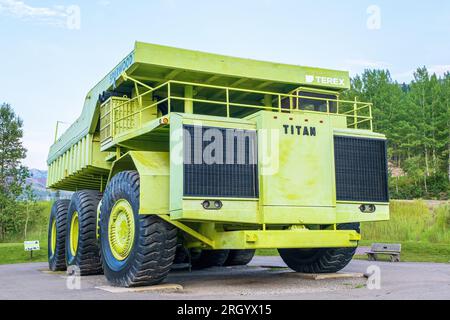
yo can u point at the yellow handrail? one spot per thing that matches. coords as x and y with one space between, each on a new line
121 113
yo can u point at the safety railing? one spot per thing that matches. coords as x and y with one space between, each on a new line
119 115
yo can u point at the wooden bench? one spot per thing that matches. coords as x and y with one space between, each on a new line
392 250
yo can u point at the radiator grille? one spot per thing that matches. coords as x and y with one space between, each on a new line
230 171
361 169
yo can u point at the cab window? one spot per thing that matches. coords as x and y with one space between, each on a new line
313 101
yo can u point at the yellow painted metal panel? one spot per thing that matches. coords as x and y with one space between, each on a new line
176 166
60 168
89 148
280 215
54 172
220 122
83 164
358 133
350 212
233 211
64 168
339 121
305 173
80 155
70 161
85 152
76 157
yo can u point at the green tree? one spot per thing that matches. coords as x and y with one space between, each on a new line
377 87
12 174
415 118
445 123
31 209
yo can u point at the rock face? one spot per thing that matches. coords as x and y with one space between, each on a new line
38 182
396 171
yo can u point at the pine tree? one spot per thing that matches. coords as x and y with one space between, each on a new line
415 118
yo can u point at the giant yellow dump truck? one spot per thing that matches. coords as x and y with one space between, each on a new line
182 156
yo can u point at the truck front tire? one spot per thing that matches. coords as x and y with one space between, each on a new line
57 236
320 260
136 250
82 250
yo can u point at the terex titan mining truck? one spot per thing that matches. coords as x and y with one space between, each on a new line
187 157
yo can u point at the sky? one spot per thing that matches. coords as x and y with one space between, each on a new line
53 52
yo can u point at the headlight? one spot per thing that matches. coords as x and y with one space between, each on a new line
368 208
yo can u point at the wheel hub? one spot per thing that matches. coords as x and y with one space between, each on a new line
53 238
121 230
74 234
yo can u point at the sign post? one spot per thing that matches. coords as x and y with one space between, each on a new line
31 246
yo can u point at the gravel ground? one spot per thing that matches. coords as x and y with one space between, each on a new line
272 281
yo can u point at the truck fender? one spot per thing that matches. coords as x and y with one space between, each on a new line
154 172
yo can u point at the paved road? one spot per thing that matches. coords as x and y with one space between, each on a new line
261 280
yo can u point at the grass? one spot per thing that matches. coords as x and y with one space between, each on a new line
12 250
411 221
267 252
11 253
417 252
423 233
38 229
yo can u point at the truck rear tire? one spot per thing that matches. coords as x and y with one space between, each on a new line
57 236
240 257
323 260
82 248
181 255
136 250
203 259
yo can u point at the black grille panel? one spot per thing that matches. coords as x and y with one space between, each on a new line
207 176
361 169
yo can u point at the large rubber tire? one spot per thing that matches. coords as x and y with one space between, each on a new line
57 226
239 257
203 259
86 255
320 260
150 256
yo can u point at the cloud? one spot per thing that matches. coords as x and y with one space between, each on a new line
56 15
439 69
368 63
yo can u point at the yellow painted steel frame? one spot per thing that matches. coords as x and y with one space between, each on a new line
286 239
210 236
